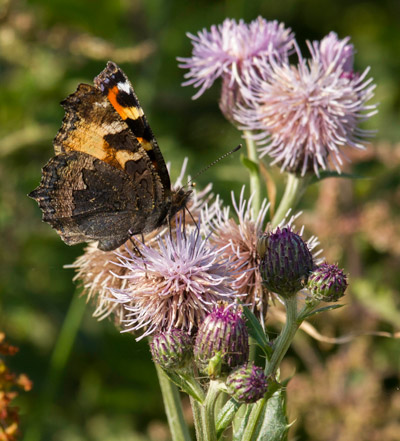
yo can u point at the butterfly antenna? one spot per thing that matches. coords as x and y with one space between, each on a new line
212 164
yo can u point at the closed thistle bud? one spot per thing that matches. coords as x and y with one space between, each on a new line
327 283
285 261
172 350
230 97
222 342
247 384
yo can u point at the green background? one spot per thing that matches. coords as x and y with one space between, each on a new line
107 389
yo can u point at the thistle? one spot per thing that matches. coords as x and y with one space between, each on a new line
172 350
247 384
327 283
221 341
286 261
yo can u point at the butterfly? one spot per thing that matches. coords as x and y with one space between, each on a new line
108 180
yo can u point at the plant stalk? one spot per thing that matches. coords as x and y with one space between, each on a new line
285 339
255 183
209 411
295 187
173 407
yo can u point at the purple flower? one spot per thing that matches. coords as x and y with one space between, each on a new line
333 53
172 350
237 238
327 283
306 114
97 272
222 341
173 285
232 49
247 384
286 261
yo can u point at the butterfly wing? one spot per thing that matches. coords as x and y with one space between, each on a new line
115 85
85 198
108 180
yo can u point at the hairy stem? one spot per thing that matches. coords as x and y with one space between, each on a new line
285 339
173 408
209 411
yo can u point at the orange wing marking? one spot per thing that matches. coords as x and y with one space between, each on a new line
124 112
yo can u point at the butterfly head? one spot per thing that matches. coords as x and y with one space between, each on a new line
179 200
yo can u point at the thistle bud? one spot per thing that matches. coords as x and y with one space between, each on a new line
230 97
327 283
286 261
247 384
172 350
221 342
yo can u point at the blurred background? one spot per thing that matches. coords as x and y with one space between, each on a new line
105 388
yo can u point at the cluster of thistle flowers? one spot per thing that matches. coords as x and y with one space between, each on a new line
220 347
219 350
301 114
182 270
184 287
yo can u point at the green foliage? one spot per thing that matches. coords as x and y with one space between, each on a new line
256 331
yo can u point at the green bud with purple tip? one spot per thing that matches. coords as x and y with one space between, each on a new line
327 283
172 350
221 342
247 384
285 261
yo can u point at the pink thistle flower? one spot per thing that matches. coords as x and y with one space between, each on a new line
237 240
97 273
93 272
229 51
174 285
333 53
307 114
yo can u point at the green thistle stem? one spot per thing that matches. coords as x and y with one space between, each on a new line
255 183
295 187
209 412
285 339
280 348
173 407
198 418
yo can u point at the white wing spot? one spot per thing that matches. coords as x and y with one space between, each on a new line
124 86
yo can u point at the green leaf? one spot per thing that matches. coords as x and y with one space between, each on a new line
256 331
187 384
226 415
249 164
334 174
273 424
243 417
323 309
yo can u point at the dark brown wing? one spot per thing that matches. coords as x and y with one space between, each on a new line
85 199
